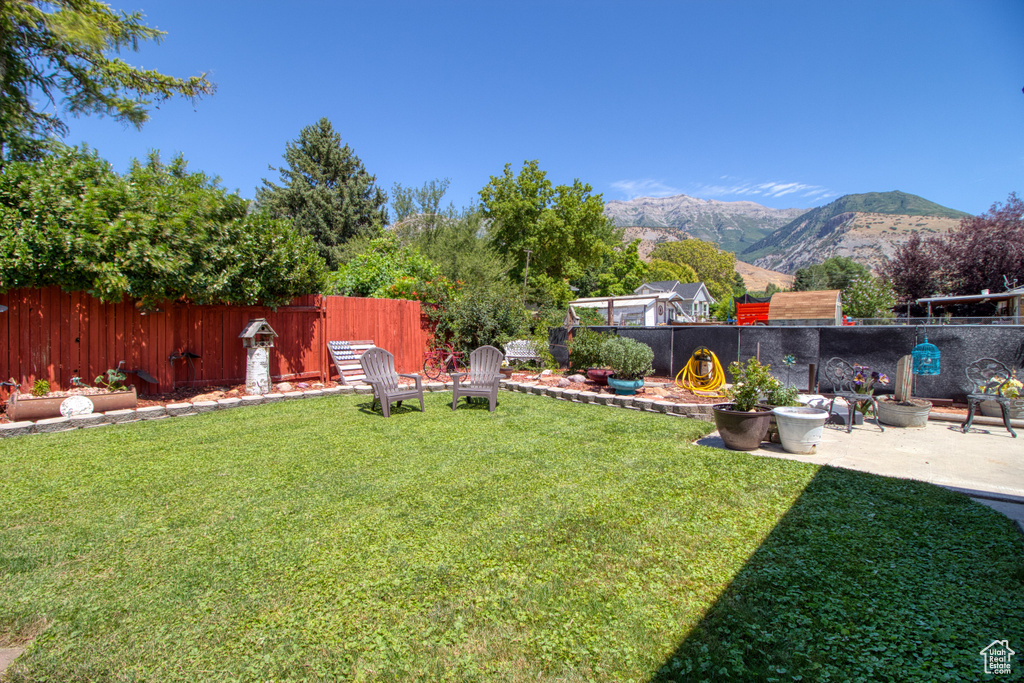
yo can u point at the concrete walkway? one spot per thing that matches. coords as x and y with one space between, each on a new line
986 463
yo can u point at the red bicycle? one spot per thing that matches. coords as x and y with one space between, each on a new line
442 359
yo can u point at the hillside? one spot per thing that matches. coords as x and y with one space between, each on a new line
734 226
866 227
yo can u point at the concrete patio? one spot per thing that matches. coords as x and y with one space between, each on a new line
987 463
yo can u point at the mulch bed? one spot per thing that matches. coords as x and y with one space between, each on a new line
659 388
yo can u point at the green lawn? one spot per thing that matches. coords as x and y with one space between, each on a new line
315 540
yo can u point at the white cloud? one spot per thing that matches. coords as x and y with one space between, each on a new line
771 189
644 188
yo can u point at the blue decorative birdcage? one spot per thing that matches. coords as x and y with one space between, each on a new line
927 359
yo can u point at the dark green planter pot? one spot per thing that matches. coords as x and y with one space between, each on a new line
625 387
739 430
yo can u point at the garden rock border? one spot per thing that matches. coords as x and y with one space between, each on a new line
698 411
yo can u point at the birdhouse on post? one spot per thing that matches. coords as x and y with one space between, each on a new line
257 339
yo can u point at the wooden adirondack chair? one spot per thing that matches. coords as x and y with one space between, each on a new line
379 367
483 378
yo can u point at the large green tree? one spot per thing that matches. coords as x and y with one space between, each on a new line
158 233
836 272
563 227
60 57
325 191
714 267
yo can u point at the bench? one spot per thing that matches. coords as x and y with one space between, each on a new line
520 351
345 355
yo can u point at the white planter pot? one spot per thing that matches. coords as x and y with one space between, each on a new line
800 428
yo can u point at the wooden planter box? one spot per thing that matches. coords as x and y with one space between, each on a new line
46 407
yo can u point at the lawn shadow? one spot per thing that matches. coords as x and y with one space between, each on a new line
370 407
864 578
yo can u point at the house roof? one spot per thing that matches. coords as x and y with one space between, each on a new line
687 290
804 305
627 300
973 298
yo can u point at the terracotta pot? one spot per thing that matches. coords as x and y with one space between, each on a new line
912 413
46 407
506 372
625 387
599 376
741 431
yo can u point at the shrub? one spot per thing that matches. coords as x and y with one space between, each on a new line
585 349
41 387
628 358
750 383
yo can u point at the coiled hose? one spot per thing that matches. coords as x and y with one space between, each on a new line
703 372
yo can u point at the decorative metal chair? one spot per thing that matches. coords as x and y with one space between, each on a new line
842 375
483 378
379 367
986 377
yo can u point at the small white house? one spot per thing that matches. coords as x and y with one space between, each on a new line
696 300
645 310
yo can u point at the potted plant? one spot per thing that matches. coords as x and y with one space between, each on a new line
1011 389
778 396
505 370
800 427
742 423
630 362
110 394
585 355
901 410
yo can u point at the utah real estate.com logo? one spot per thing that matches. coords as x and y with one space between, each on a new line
997 657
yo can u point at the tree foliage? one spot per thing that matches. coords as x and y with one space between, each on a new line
660 270
564 227
714 267
158 233
374 272
59 56
983 252
492 315
325 191
869 297
913 270
836 272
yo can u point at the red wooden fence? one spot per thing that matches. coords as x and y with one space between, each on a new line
55 335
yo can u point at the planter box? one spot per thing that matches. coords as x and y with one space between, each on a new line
993 409
911 413
47 407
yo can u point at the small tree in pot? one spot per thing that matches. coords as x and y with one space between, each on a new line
630 362
742 423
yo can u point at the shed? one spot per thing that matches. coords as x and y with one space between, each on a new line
824 307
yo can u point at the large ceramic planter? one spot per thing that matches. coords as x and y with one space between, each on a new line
741 431
993 409
19 409
800 427
912 413
599 376
625 387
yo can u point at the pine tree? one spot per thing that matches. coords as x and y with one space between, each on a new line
325 191
60 56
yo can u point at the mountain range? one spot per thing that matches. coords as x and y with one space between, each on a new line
865 227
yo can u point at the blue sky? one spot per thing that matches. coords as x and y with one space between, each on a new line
789 104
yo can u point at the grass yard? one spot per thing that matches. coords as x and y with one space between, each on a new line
315 540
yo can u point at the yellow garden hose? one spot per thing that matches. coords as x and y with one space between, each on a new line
702 373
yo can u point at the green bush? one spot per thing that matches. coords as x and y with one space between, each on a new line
628 358
750 383
157 233
585 349
41 387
